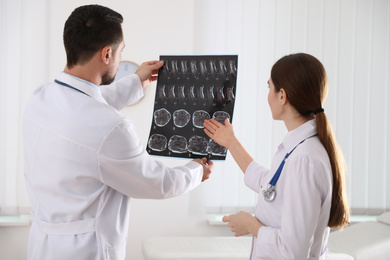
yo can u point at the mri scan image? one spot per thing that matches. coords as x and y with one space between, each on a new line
162 117
178 144
198 145
190 90
198 118
181 118
221 116
157 143
216 149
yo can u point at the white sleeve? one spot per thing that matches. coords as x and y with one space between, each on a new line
254 175
302 200
125 166
122 92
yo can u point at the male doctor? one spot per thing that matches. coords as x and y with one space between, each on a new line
83 159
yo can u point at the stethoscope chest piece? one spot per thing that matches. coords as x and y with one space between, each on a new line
269 193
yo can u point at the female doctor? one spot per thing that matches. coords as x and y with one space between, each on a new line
303 194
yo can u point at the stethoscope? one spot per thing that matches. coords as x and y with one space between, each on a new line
99 97
270 192
68 86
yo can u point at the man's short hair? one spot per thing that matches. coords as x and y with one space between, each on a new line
89 29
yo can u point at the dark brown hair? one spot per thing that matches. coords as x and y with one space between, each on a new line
88 29
304 80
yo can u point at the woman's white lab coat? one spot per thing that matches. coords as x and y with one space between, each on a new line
83 162
296 222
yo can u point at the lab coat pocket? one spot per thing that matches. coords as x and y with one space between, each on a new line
118 252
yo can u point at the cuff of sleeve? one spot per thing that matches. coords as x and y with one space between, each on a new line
138 86
137 80
192 165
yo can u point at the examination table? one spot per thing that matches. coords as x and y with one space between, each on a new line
360 241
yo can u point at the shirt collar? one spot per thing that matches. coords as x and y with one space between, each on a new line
95 87
84 86
299 134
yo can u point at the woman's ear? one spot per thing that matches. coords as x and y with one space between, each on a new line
106 54
282 97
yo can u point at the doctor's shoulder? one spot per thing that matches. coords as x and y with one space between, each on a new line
310 158
41 88
38 95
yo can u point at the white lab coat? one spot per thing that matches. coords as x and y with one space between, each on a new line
296 221
83 162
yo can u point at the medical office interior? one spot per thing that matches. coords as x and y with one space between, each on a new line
350 37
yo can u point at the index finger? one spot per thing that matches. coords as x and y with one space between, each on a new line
212 123
209 125
215 122
226 218
156 65
153 62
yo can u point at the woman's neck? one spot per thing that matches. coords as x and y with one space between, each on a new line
294 120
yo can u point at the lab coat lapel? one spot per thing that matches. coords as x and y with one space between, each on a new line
79 85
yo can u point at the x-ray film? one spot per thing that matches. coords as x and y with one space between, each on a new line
189 90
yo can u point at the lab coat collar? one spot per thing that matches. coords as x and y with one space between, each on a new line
294 137
80 85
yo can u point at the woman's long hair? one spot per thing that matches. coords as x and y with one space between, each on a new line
304 80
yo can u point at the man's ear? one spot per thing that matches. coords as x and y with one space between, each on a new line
106 54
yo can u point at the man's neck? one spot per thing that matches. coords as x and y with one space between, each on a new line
85 73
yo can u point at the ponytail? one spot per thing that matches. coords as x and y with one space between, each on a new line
339 211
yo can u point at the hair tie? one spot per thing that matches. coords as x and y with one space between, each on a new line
318 111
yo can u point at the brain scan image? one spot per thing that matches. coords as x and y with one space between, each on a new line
201 97
174 69
177 144
232 68
216 149
194 69
191 89
181 118
161 96
181 94
157 142
198 145
212 68
209 95
162 117
183 68
220 116
222 69
228 92
191 95
170 92
220 97
198 118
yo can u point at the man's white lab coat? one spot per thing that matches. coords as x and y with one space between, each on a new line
83 162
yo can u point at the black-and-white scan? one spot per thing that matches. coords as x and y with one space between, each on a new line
191 89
